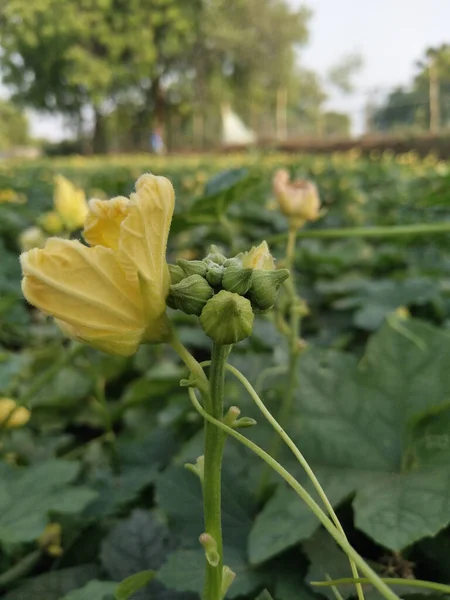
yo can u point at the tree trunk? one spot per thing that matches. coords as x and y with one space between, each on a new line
99 138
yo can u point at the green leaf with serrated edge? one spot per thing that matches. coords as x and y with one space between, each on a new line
354 422
132 584
30 493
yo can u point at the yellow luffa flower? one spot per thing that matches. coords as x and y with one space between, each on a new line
12 415
70 203
111 295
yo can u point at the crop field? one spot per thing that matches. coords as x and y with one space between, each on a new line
352 359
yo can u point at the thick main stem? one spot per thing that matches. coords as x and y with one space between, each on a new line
214 443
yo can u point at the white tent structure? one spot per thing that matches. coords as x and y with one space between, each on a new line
234 131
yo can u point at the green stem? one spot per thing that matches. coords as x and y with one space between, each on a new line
365 232
291 384
301 459
303 494
214 444
192 364
22 568
419 583
110 436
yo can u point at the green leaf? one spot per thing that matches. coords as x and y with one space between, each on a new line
185 569
376 299
220 192
94 590
30 494
180 495
136 544
132 584
68 387
285 519
54 585
354 422
328 560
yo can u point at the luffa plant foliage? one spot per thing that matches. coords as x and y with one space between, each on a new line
112 295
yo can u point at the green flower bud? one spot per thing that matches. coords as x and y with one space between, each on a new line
265 286
227 318
215 256
214 275
237 280
190 295
192 267
176 274
236 261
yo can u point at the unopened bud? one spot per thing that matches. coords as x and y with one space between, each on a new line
298 200
190 295
265 286
192 267
259 257
210 546
214 275
237 280
214 256
176 274
227 318
236 261
231 416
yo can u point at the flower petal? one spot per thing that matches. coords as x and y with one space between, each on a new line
102 225
144 232
121 343
82 286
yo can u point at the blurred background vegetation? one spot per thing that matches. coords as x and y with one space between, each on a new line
118 69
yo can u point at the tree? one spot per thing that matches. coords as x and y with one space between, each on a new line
63 55
425 104
13 126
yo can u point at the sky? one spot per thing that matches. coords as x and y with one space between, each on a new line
391 35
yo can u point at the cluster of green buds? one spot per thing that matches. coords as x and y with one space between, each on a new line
226 293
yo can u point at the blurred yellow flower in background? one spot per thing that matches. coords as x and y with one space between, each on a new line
70 203
298 200
51 540
111 295
12 415
32 237
51 222
9 196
